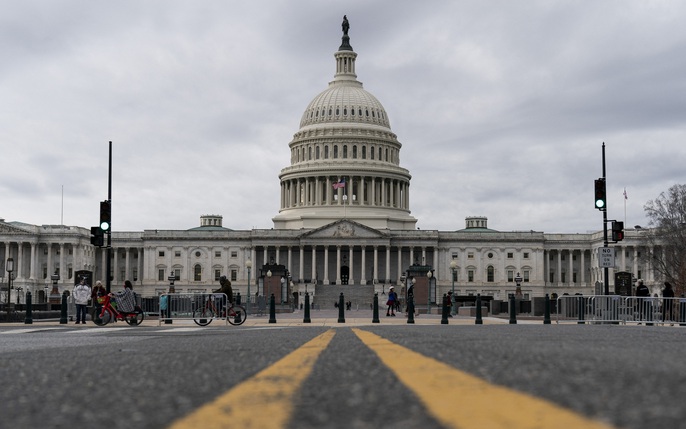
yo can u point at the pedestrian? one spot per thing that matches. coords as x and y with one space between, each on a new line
82 293
96 297
450 303
642 296
447 303
392 300
410 298
667 301
165 307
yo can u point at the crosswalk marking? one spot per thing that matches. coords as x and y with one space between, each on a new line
460 400
265 400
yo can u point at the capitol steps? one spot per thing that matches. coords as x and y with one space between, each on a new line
361 296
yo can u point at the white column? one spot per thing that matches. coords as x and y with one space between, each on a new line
350 266
376 263
301 270
363 266
314 263
338 265
388 263
326 265
32 263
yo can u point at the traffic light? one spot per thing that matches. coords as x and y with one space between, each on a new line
600 202
97 236
105 215
617 230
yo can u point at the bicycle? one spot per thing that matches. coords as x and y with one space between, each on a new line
203 316
108 313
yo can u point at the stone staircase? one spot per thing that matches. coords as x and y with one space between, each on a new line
361 296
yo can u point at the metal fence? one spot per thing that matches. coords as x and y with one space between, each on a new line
182 306
621 309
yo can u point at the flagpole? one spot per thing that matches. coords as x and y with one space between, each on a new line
625 198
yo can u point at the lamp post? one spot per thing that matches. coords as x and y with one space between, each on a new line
429 274
9 266
518 291
453 308
168 319
248 265
45 291
266 286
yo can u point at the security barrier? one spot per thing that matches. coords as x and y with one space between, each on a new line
182 306
621 309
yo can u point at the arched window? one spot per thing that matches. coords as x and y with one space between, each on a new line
335 151
345 151
371 152
309 153
316 152
490 274
197 273
326 152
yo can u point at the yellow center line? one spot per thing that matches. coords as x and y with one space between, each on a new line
265 400
460 400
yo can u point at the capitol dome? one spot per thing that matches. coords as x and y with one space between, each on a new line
345 160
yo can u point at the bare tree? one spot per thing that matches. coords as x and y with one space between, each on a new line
667 237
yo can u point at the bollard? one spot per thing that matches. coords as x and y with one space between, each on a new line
444 311
375 312
513 311
546 315
581 311
272 309
238 298
410 309
63 309
479 320
28 320
306 318
341 309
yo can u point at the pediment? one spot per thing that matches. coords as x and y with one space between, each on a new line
344 229
6 228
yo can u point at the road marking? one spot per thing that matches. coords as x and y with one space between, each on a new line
28 330
460 400
265 400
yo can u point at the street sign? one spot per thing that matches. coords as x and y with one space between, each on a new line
606 257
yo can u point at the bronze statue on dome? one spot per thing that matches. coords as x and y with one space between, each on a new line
345 25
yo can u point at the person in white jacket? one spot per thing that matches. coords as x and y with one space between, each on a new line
82 293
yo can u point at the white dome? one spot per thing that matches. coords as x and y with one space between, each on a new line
345 102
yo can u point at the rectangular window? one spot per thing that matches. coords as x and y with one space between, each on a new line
526 255
470 276
470 255
161 254
526 276
217 254
217 274
510 255
574 277
177 253
510 276
234 254
160 275
552 277
234 275
455 255
563 277
454 275
177 274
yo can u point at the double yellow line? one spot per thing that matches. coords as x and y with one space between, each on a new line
454 398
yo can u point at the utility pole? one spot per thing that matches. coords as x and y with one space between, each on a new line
108 263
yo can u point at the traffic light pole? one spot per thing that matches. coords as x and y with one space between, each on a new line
606 270
108 264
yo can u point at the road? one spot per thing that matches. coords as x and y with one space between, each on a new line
342 376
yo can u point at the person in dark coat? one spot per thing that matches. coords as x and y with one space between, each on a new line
667 301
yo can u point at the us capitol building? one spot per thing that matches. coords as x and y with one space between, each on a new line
344 225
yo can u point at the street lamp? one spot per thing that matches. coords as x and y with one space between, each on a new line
453 268
9 266
429 274
248 265
518 281
266 286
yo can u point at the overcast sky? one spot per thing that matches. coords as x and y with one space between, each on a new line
501 107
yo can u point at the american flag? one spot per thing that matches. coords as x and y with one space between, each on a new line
340 184
625 197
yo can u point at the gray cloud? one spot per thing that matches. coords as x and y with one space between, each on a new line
501 107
